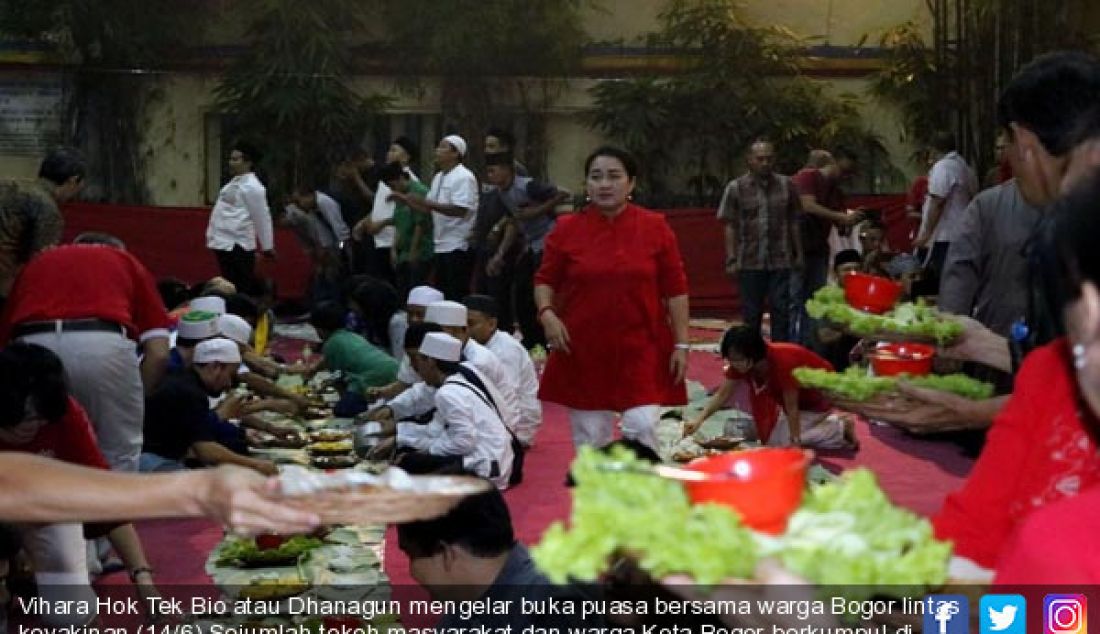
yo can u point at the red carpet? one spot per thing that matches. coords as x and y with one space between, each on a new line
917 474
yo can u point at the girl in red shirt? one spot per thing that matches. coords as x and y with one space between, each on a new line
785 413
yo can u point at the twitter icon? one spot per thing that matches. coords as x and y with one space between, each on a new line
1003 614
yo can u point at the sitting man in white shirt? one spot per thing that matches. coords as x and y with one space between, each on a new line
453 318
482 311
415 308
466 433
417 399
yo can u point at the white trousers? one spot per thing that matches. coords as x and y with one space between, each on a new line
104 377
596 427
823 430
60 568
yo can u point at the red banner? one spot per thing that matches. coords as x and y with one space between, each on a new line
171 241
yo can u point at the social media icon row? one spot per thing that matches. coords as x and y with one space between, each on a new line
1004 614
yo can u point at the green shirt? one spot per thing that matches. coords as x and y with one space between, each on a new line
363 364
405 221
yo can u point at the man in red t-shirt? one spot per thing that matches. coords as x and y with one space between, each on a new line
96 306
785 413
823 207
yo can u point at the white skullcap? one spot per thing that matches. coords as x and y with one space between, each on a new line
440 345
235 328
446 313
458 142
424 296
197 324
217 351
209 303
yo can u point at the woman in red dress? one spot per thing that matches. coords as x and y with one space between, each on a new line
612 297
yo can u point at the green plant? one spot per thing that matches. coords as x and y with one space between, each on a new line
496 61
951 81
289 91
738 82
115 48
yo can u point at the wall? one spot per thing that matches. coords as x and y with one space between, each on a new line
175 141
184 157
835 22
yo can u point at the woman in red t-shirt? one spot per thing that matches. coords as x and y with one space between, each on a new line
612 297
785 413
38 416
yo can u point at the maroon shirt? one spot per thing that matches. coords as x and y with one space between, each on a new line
815 230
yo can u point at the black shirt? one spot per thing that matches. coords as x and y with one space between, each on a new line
177 415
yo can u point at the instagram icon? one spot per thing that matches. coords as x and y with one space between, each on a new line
1065 614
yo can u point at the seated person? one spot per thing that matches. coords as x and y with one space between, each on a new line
835 346
194 327
471 554
362 364
247 309
179 422
38 416
466 432
876 253
415 307
501 383
785 413
276 399
482 311
377 316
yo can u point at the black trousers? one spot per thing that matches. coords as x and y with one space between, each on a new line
452 273
239 267
524 297
379 265
500 287
420 462
410 275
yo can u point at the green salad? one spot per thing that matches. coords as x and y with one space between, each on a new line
907 318
846 532
245 552
648 517
856 385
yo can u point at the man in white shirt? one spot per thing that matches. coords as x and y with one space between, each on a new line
451 317
951 185
466 432
240 219
453 200
482 313
379 223
415 307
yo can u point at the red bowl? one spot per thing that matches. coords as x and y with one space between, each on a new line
870 293
269 542
892 359
764 486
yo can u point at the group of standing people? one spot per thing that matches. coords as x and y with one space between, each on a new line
453 231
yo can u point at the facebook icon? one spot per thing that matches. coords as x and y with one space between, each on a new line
946 614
